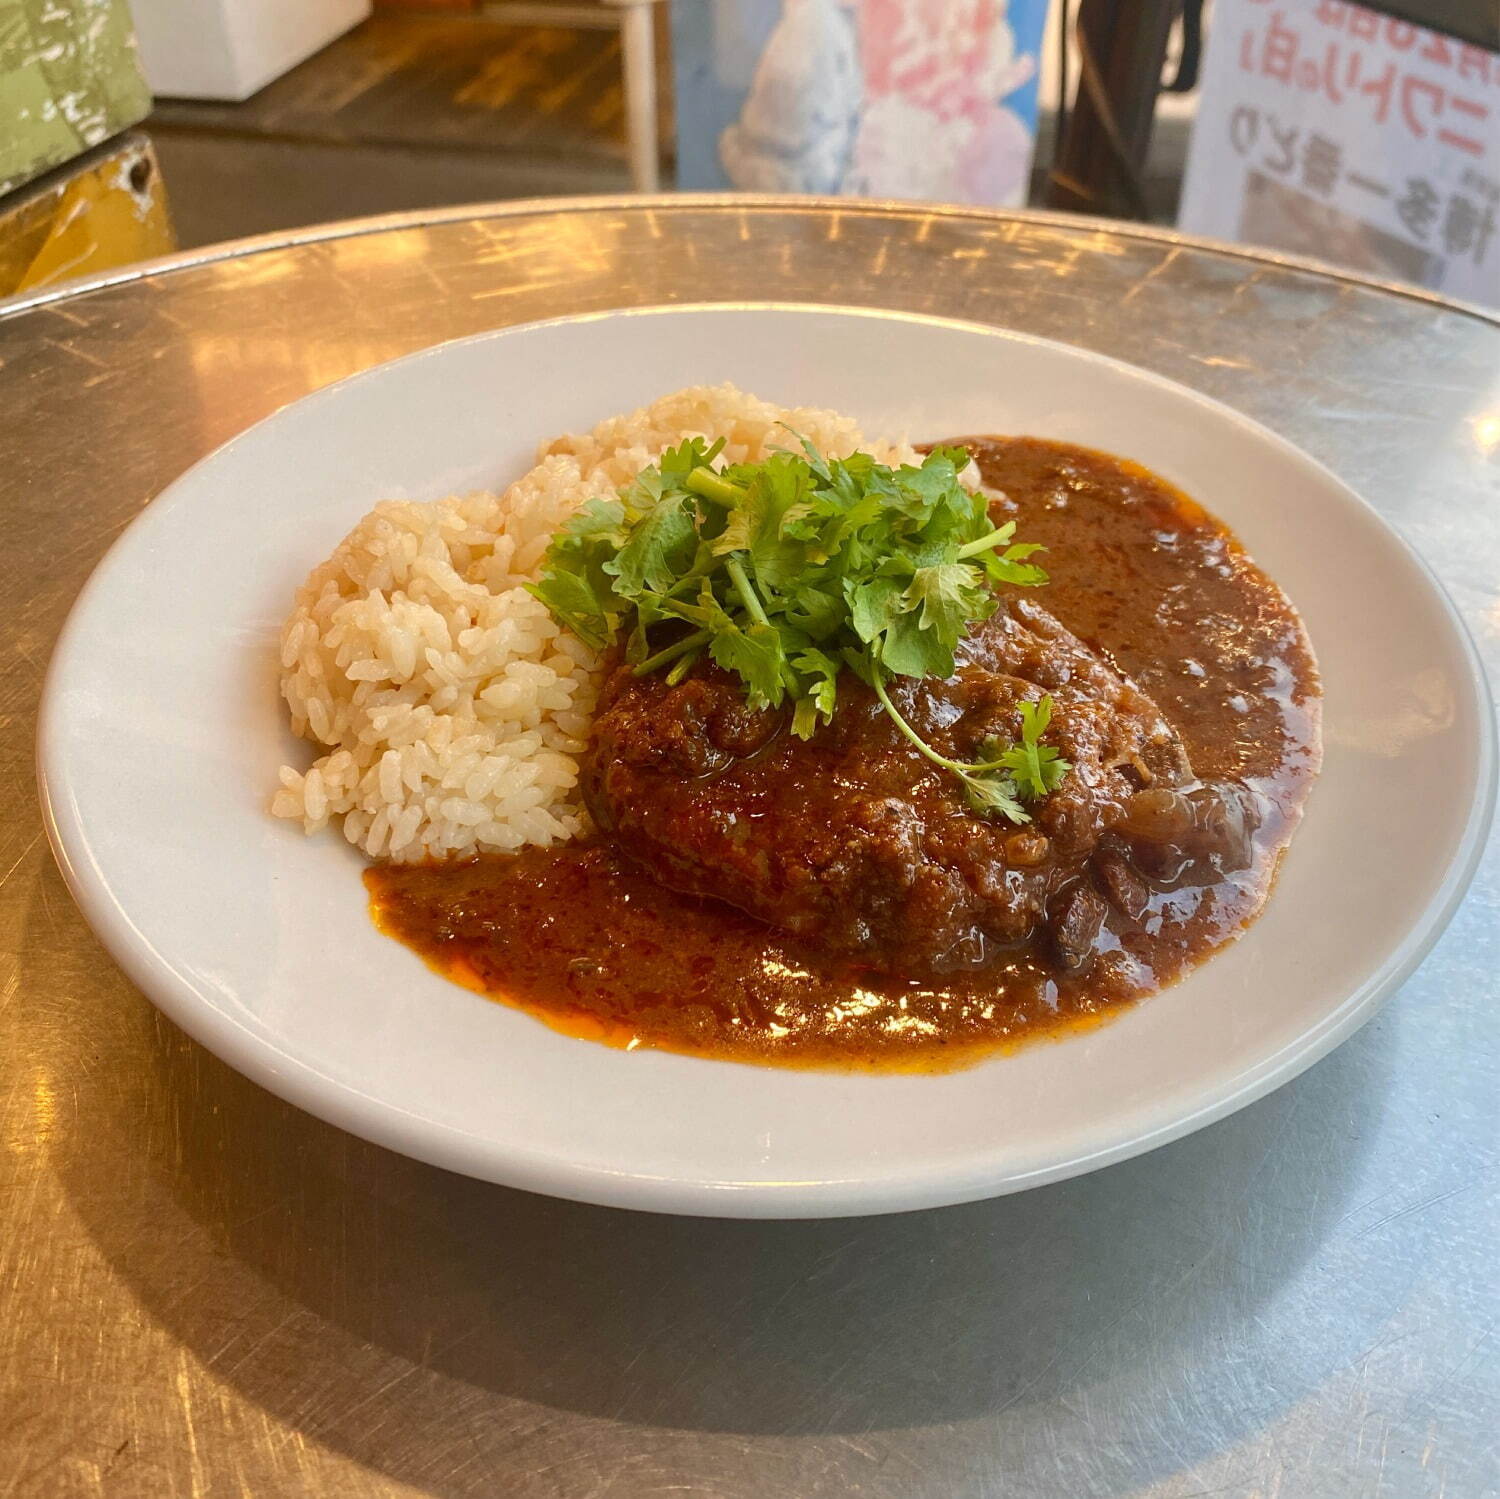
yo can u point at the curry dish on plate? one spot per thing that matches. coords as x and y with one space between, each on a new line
851 756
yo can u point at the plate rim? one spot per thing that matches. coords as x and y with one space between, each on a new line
486 1157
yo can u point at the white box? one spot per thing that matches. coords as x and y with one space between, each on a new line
227 49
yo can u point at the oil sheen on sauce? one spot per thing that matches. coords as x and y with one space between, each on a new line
595 948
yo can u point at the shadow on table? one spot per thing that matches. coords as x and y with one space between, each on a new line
364 1299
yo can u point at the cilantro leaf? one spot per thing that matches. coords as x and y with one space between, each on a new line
1036 768
815 610
575 587
660 545
599 520
576 604
911 651
872 604
820 690
991 795
949 598
1006 567
755 653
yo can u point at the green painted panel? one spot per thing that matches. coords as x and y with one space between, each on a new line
69 78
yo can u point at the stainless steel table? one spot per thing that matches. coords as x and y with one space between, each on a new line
205 1292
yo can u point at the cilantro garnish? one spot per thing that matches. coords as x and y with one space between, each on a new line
1035 767
789 571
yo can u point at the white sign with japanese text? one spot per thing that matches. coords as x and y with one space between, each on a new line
1326 129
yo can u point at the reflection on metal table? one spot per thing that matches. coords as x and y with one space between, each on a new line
208 1293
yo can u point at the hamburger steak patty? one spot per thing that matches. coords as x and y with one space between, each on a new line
856 842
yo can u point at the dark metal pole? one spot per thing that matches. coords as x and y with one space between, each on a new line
1122 45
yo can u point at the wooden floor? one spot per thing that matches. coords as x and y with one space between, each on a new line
429 82
407 111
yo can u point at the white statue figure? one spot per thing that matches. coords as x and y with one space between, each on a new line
796 129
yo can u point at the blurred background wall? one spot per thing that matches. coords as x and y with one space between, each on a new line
1356 133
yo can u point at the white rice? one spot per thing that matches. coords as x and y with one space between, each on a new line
449 707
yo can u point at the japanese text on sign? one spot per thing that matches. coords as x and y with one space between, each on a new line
1330 130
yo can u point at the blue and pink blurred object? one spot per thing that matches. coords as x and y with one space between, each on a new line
931 99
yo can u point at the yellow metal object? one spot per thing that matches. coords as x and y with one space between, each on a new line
108 209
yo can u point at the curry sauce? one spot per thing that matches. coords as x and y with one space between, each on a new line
586 941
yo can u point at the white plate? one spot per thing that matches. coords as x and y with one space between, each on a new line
162 730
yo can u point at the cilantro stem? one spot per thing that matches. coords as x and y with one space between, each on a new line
670 653
959 767
986 795
985 543
753 607
683 665
748 596
707 484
